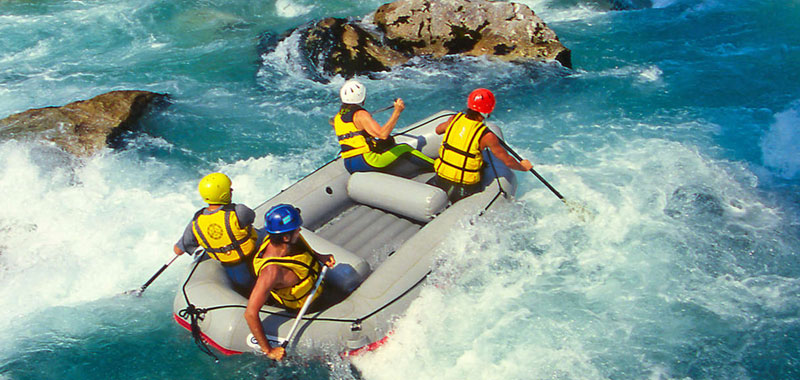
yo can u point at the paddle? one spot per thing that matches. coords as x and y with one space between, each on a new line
379 110
582 213
305 307
138 292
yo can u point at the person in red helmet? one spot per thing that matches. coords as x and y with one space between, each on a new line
458 167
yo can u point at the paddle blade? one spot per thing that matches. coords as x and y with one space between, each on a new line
579 210
134 292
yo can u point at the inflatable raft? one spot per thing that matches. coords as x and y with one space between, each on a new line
383 231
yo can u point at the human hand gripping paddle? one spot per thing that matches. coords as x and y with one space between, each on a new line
575 207
279 353
138 292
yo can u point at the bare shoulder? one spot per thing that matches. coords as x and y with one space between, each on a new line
489 139
362 113
443 125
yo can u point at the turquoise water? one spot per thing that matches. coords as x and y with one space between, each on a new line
678 127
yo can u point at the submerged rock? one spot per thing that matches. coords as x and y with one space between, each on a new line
83 127
694 202
404 29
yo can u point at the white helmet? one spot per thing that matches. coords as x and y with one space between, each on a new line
353 92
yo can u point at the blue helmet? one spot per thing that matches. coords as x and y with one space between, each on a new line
282 218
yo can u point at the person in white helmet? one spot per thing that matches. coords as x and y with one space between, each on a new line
360 136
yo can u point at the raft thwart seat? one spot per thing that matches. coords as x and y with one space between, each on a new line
350 270
417 201
383 231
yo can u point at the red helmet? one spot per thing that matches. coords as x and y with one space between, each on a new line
481 100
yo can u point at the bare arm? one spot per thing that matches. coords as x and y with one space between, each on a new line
327 260
267 279
187 242
489 140
441 128
323 258
364 121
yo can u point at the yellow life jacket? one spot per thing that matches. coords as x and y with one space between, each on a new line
352 141
222 236
304 265
460 158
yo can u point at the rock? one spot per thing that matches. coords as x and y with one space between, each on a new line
338 46
405 29
508 31
84 127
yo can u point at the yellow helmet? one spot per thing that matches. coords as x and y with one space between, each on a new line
215 189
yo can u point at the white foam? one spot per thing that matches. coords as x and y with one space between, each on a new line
780 146
291 8
38 50
286 58
551 11
74 232
651 74
663 3
531 292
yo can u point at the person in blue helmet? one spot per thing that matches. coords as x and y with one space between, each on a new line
286 270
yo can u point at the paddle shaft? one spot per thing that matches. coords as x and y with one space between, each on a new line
305 307
513 153
150 281
379 110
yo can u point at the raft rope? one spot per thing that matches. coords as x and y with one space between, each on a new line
199 313
196 314
499 186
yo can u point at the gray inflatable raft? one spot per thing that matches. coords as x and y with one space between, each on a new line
383 231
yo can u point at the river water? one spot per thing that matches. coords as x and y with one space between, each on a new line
678 127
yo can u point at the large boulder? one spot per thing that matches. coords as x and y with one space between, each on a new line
83 127
508 31
404 29
339 46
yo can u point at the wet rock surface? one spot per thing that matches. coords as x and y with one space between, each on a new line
508 31
399 31
83 127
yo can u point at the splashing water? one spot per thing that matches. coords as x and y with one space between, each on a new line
677 129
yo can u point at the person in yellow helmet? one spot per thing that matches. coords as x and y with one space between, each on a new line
367 145
458 167
287 269
224 229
